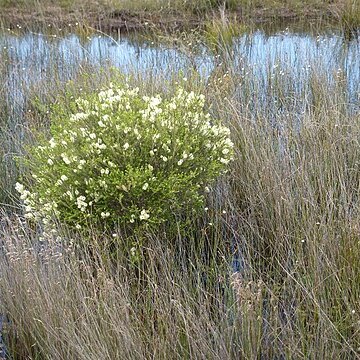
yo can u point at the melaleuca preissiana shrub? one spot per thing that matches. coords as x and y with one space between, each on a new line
125 159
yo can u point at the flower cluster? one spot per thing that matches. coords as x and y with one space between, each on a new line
122 158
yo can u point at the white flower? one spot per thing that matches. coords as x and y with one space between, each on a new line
28 208
63 177
65 159
81 204
126 146
19 187
50 162
154 101
144 215
136 131
224 161
24 195
52 143
180 162
79 116
145 186
105 214
228 142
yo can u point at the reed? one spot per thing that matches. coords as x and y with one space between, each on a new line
161 14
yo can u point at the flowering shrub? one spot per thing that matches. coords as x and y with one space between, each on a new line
121 158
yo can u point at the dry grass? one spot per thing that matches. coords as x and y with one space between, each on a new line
174 14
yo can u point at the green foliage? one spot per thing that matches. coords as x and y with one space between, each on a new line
119 158
219 34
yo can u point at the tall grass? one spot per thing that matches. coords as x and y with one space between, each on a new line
157 12
269 271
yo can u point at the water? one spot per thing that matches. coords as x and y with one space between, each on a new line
33 57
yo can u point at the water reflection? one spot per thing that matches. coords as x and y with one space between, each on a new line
32 57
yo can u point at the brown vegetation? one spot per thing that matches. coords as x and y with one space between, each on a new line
173 14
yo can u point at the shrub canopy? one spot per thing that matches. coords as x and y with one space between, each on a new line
125 159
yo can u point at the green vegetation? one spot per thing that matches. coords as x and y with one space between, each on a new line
268 267
126 159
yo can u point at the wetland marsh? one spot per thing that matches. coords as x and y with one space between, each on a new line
267 269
